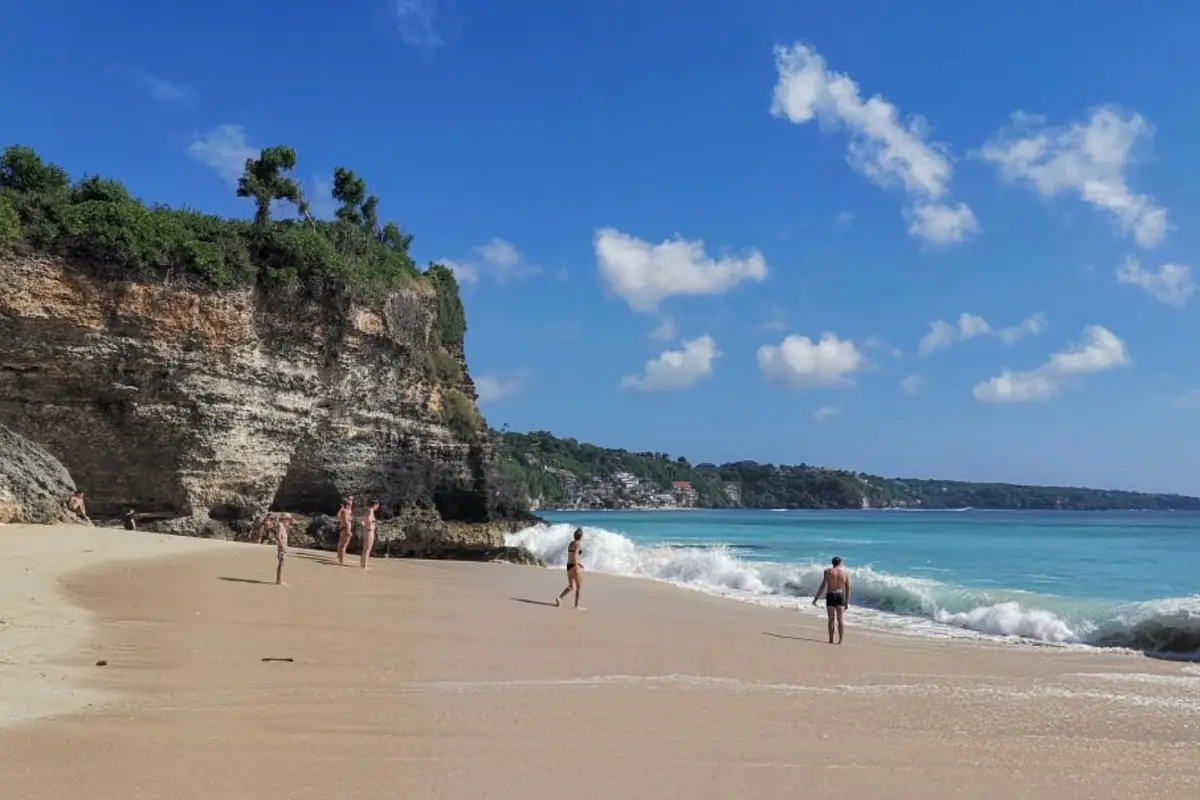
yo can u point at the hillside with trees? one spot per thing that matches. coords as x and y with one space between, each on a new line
538 462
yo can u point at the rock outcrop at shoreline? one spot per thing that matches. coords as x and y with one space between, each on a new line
185 401
33 484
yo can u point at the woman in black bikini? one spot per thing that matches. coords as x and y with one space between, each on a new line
574 551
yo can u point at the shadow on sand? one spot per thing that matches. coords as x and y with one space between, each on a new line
794 638
247 580
529 602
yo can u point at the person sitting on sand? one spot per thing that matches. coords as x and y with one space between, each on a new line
368 523
574 552
281 545
130 519
75 506
836 587
345 520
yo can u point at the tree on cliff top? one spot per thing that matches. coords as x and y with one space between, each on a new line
266 180
356 207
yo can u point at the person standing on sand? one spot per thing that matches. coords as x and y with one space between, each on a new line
258 530
281 545
368 523
345 528
836 587
574 552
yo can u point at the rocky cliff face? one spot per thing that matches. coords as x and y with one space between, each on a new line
200 403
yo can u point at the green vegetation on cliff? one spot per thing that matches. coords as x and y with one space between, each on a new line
98 221
544 465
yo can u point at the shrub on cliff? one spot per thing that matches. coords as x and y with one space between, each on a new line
101 223
10 224
460 414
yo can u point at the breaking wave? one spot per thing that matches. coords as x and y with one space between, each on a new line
902 602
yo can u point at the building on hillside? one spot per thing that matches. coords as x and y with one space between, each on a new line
626 480
685 493
733 492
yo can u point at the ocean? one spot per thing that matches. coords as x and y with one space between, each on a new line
1088 579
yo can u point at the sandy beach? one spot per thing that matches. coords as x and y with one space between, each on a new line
441 679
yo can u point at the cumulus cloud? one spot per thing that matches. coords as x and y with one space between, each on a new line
887 150
1089 159
801 363
498 260
645 274
491 388
1170 283
942 224
912 384
225 150
942 334
1099 351
665 331
826 413
1030 326
676 369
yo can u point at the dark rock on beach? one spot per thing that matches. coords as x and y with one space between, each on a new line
34 485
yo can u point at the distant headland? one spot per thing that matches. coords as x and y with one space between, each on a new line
568 474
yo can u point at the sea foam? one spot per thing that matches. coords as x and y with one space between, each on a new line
905 603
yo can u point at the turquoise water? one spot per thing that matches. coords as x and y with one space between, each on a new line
1115 579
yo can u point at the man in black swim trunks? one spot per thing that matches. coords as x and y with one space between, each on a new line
836 588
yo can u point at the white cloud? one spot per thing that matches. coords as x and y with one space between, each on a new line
645 274
1187 400
498 260
676 369
1100 350
415 21
942 224
1089 158
665 331
1170 283
1030 326
164 91
942 334
826 413
801 363
225 150
912 384
845 218
887 150
491 388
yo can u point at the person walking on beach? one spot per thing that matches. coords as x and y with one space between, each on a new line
368 523
281 545
345 528
574 552
836 587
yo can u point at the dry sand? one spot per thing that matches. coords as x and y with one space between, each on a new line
440 679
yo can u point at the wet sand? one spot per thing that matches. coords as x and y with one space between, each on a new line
440 679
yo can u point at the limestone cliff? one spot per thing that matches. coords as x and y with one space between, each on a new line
194 402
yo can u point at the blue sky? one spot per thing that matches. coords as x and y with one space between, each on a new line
720 229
